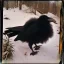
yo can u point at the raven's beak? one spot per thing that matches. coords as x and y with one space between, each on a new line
52 20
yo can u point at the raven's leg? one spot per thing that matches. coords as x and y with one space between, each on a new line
33 52
37 47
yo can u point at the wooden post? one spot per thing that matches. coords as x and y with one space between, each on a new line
19 5
35 6
7 5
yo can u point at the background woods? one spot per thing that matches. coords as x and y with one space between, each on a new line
41 6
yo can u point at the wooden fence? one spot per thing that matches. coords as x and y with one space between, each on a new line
41 6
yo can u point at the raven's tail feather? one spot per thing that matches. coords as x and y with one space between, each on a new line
13 31
10 33
6 31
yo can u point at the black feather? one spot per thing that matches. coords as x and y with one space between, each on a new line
34 31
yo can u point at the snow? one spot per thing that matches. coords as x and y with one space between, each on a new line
48 53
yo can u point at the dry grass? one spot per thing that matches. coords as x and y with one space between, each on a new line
7 49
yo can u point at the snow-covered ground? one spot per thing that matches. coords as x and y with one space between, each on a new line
48 53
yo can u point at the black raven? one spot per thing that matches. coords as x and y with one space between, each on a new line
34 31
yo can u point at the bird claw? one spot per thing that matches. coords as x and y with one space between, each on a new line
37 47
34 53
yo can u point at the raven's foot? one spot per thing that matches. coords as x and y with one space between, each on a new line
37 47
34 53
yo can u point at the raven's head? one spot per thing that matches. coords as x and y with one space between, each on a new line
44 17
47 19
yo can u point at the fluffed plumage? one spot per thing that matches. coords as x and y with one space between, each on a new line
34 31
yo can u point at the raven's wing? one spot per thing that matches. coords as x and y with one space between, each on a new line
29 32
32 30
30 22
27 25
20 29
